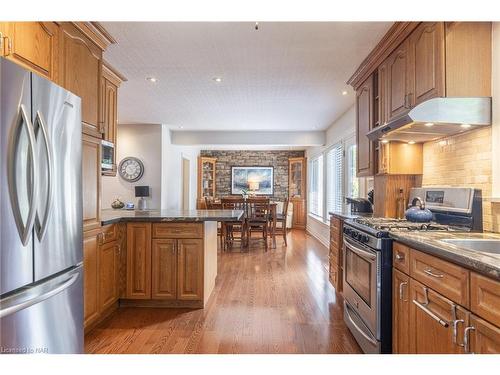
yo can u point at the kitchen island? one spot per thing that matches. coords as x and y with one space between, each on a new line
153 258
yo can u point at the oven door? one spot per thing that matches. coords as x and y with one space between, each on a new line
361 282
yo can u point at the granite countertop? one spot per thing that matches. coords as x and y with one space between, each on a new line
110 216
487 264
347 214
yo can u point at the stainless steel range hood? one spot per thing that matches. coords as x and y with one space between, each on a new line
436 118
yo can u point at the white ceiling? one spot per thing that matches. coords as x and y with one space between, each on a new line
287 76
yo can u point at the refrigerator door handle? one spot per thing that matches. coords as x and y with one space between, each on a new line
41 225
23 229
39 298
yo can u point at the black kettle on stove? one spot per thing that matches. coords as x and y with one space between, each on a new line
360 205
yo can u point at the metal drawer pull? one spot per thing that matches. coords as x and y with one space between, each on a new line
401 286
429 272
455 322
467 338
444 323
400 257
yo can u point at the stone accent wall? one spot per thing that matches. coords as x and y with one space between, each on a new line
229 158
464 160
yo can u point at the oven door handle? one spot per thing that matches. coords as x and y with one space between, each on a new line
363 333
362 253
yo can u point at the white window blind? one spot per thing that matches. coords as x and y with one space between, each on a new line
334 178
352 180
316 186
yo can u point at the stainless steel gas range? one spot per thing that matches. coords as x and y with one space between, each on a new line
367 259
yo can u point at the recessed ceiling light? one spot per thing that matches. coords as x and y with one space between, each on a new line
384 141
181 127
217 79
344 93
152 79
411 142
429 124
443 143
465 126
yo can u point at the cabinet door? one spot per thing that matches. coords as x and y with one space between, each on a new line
110 112
108 274
427 54
383 88
190 269
484 337
91 278
400 312
364 121
299 213
164 269
431 324
91 182
399 81
81 74
139 261
33 45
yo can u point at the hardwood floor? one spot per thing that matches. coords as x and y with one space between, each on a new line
275 302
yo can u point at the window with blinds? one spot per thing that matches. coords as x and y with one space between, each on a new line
334 178
316 186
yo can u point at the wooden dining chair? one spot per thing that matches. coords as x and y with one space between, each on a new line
230 228
258 212
281 218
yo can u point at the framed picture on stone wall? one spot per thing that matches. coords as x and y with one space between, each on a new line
254 180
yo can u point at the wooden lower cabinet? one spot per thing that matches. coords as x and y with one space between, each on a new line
138 261
335 254
109 267
400 313
431 322
90 277
435 321
484 337
164 269
190 269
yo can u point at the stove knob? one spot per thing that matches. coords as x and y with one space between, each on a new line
365 239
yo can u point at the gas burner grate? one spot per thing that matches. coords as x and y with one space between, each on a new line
392 225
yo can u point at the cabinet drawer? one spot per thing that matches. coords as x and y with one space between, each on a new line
446 278
178 230
109 233
401 257
485 298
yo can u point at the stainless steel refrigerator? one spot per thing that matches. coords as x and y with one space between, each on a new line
41 275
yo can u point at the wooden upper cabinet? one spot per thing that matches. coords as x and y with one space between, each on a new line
34 45
399 82
164 269
91 182
110 82
190 269
138 261
364 121
428 62
80 73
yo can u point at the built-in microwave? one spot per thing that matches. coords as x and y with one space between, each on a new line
107 156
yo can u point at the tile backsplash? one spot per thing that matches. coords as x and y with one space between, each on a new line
464 160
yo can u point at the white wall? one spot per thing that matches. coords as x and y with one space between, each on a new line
342 129
144 142
495 86
171 173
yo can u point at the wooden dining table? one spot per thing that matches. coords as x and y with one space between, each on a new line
217 205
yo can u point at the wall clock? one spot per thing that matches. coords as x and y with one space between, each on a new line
131 169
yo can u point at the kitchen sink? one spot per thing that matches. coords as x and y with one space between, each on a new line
484 246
